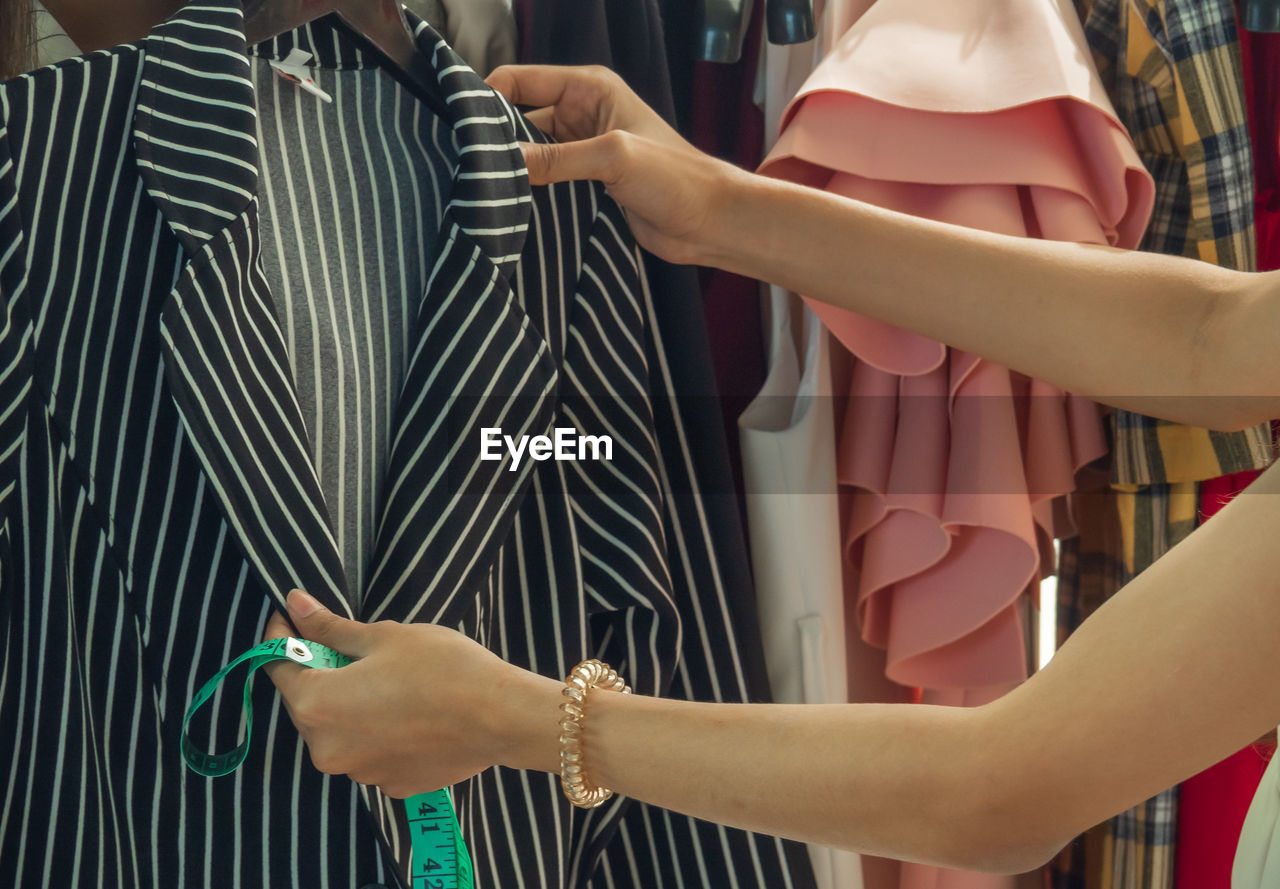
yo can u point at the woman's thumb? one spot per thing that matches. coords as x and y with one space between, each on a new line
550 162
318 624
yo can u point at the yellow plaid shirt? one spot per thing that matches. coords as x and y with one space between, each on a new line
1172 68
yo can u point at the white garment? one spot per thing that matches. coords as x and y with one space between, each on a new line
481 31
1257 861
52 43
788 453
787 437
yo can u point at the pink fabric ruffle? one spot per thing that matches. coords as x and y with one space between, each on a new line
987 115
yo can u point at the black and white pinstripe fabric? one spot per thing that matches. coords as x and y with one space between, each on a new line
159 493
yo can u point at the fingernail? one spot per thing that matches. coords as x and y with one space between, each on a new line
302 605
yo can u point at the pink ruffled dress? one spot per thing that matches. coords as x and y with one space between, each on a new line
987 114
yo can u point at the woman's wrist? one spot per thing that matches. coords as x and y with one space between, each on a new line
523 719
743 234
731 195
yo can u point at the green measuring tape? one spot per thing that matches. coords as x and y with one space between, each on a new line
440 858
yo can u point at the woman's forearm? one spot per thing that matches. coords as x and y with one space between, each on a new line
891 780
1162 335
1166 336
1168 677
904 782
897 781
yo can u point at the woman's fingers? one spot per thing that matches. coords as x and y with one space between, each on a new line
318 624
543 85
282 673
605 132
528 84
579 103
601 158
277 627
544 119
314 623
411 713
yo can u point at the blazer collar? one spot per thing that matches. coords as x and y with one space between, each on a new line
478 361
194 125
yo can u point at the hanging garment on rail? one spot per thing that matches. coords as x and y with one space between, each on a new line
1257 866
1172 70
161 487
787 437
955 468
628 37
1260 55
1212 805
483 32
52 43
955 537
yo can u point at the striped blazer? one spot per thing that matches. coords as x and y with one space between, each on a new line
158 490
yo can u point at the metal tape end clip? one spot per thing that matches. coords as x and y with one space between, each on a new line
297 651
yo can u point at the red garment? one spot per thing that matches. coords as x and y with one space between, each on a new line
1260 54
1211 810
1212 805
524 33
727 123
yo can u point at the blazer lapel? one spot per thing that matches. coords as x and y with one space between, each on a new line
225 358
479 362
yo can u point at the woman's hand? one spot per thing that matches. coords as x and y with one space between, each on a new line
422 706
675 196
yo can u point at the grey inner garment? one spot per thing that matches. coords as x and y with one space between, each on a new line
352 195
